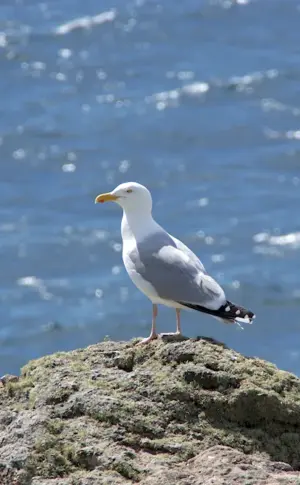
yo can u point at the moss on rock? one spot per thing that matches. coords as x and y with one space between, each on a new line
121 413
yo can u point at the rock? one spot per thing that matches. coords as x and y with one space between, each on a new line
171 337
186 412
8 378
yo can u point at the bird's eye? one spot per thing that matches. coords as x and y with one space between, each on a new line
129 191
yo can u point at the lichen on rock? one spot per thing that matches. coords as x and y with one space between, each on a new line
171 412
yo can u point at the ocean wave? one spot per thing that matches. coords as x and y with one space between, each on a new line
37 284
291 239
85 22
199 88
169 98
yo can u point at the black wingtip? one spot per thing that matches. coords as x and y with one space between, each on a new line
229 311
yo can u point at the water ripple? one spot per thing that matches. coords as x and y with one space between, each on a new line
85 22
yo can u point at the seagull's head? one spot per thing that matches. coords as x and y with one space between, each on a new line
131 196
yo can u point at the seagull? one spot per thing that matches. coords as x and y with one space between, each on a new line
162 267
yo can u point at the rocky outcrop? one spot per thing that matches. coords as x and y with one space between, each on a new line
184 413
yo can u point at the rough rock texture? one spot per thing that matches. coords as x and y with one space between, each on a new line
180 413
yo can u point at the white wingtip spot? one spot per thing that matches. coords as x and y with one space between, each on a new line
238 312
227 309
244 319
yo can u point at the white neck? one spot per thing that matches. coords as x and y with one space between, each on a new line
137 225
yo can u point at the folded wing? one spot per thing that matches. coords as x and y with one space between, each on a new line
178 277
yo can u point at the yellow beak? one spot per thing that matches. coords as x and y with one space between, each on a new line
105 198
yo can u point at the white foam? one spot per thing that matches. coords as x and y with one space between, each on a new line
217 258
171 98
271 104
291 239
65 53
293 135
244 83
261 237
195 89
29 281
85 22
3 40
68 167
37 284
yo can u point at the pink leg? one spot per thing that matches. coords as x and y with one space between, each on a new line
178 327
153 334
178 323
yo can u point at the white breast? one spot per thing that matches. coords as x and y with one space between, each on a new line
141 229
129 245
143 285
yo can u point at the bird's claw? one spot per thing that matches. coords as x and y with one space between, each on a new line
144 341
172 337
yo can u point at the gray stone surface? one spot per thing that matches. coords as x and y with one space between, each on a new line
187 413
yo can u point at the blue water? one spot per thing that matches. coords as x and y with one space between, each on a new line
199 100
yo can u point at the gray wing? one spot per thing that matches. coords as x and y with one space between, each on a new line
174 273
194 259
